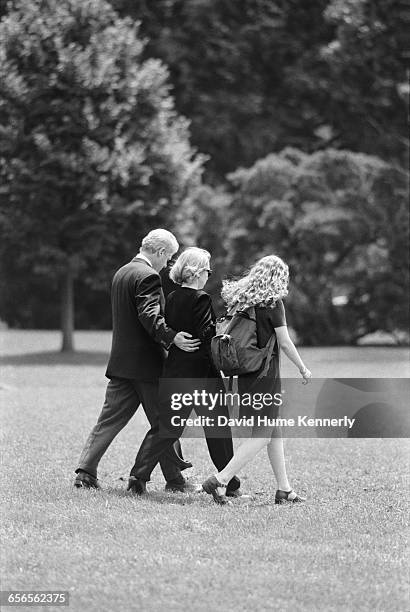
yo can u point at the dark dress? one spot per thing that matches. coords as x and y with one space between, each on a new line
190 310
267 318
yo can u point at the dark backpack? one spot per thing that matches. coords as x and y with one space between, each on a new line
235 348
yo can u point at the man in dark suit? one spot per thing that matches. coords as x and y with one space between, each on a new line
140 339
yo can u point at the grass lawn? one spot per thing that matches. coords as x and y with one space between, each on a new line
342 550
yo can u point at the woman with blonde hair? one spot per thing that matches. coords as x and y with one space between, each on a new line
189 309
263 288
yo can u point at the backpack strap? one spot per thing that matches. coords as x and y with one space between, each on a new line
269 352
235 315
270 347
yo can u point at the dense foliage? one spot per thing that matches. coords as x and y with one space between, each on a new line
340 220
258 75
92 149
300 108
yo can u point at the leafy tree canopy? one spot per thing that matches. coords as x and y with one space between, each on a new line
258 75
93 152
340 220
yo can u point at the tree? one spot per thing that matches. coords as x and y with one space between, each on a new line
207 209
258 75
340 220
232 66
364 86
93 152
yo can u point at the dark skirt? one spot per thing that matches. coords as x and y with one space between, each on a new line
187 373
180 364
265 396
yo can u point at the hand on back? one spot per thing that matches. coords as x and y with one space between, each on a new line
185 342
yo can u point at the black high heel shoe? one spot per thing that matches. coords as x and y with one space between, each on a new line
282 497
211 486
84 480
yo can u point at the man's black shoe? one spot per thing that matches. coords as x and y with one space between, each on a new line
237 493
215 488
137 485
176 486
183 465
178 458
84 480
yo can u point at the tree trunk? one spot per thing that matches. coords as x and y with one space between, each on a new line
67 310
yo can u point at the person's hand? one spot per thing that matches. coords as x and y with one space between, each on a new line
306 375
185 342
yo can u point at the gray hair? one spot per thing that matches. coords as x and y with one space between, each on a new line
160 239
188 264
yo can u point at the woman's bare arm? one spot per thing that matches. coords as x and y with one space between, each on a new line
291 351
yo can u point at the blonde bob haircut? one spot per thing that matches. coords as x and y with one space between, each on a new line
188 264
265 283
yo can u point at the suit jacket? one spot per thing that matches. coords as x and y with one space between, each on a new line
140 333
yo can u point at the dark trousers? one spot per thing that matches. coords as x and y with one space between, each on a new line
220 448
122 398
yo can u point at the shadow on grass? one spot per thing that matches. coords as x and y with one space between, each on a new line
184 499
157 497
52 358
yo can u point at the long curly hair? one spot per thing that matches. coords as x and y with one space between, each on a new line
264 284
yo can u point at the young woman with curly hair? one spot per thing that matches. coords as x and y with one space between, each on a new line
263 288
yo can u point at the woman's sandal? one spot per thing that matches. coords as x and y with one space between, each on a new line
281 497
211 486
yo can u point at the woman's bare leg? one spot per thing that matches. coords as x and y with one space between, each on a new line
276 456
249 449
245 453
